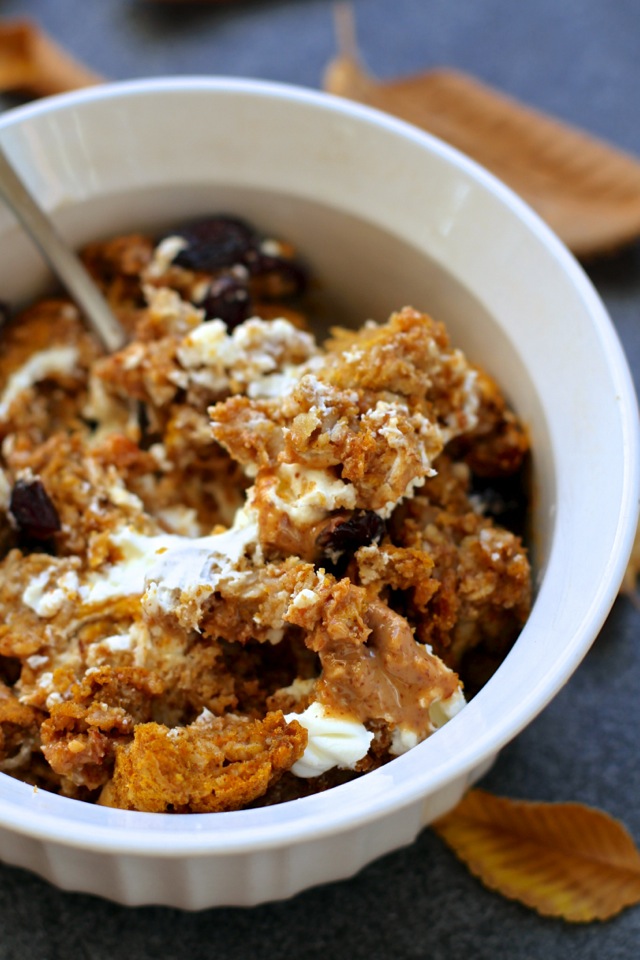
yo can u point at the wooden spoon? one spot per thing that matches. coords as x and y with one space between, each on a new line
587 191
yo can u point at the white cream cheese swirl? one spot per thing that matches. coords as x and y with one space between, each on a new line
333 741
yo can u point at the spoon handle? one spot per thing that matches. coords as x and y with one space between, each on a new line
63 261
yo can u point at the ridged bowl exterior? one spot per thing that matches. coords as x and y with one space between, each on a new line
236 879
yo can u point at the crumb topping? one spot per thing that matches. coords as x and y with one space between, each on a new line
233 559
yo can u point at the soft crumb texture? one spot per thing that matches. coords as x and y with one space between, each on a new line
238 566
215 764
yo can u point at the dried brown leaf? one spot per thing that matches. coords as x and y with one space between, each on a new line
630 581
586 190
32 63
562 859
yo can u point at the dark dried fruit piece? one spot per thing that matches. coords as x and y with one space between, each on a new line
32 510
275 277
344 535
228 298
142 416
215 242
5 313
10 668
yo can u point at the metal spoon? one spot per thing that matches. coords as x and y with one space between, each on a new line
63 261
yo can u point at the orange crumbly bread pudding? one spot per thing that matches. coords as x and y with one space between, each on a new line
236 566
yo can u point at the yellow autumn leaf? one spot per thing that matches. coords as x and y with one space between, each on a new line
630 580
586 190
31 62
563 859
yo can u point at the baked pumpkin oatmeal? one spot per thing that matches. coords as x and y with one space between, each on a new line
239 566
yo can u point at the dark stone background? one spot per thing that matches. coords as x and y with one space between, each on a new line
579 60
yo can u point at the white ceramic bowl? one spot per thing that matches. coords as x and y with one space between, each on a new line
387 216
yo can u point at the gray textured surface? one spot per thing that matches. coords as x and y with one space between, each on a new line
578 59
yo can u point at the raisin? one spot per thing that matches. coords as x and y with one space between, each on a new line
344 535
32 510
276 277
10 668
144 426
215 242
228 298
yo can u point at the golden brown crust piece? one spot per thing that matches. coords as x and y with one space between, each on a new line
480 571
18 731
216 764
81 733
116 265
